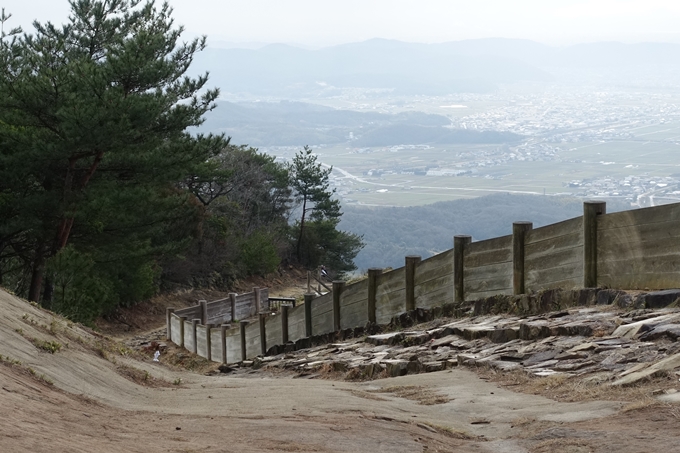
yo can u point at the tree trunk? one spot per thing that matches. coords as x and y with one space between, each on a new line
48 293
302 226
37 274
66 224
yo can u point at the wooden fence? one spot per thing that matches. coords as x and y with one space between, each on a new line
627 250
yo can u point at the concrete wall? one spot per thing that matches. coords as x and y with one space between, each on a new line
216 344
554 256
233 344
296 323
219 311
390 295
634 250
274 329
201 342
190 312
434 280
245 306
354 305
640 249
322 314
175 331
188 336
253 347
488 268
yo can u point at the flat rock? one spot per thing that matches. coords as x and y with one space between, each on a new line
571 355
385 338
569 365
396 368
583 347
660 299
434 366
445 341
541 365
540 357
632 329
504 335
670 331
667 364
513 357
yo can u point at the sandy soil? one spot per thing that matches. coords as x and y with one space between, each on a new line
78 400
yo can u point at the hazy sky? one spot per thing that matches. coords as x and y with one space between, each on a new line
325 22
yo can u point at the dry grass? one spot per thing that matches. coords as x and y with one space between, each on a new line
358 375
641 404
565 388
422 395
141 377
521 422
355 374
365 395
562 446
180 358
332 371
25 370
450 432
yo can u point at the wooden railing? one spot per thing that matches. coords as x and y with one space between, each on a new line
315 282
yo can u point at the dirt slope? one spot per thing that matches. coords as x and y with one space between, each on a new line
79 399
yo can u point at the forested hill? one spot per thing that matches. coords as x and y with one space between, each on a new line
288 123
391 234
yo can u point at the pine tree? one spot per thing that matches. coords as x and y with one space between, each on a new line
310 182
93 118
318 238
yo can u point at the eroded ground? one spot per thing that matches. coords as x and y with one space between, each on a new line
96 395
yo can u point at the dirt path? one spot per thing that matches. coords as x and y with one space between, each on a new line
92 406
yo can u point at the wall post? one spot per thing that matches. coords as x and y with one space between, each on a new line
242 326
182 320
460 242
519 233
372 287
308 314
232 301
203 311
263 333
591 209
258 307
223 338
208 341
338 287
194 325
284 324
168 323
410 268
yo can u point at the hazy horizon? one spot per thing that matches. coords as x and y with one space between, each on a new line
313 24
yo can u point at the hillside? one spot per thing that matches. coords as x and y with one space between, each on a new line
287 123
406 68
93 394
392 233
468 66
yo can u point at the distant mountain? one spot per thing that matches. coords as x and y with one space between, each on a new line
410 68
288 123
404 67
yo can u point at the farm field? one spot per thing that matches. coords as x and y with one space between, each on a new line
610 144
382 176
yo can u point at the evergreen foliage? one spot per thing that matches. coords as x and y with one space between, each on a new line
105 194
318 241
